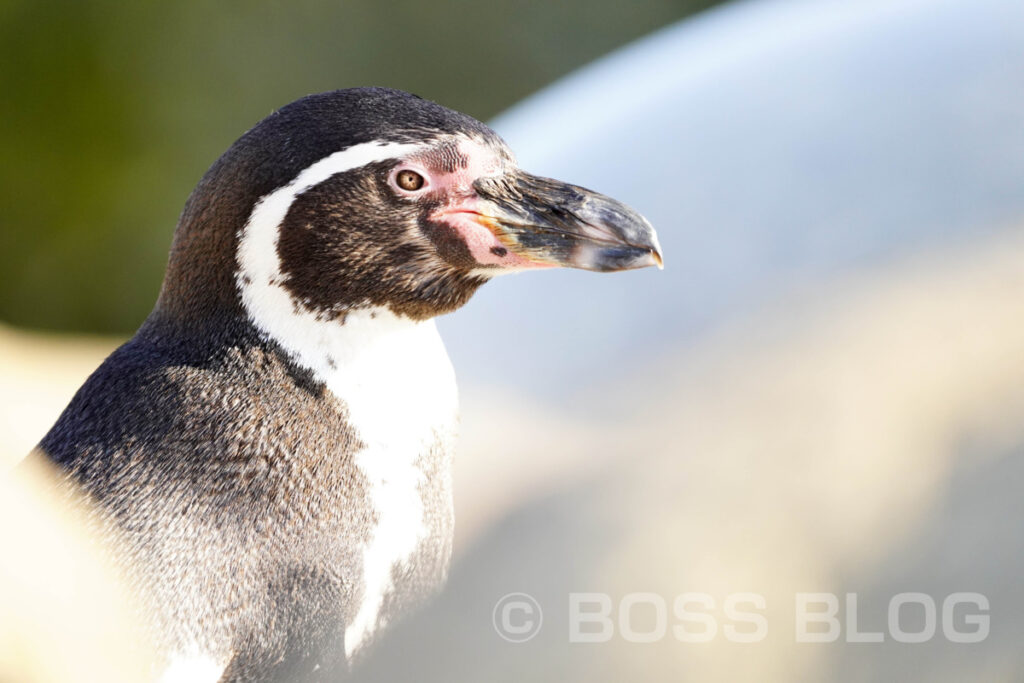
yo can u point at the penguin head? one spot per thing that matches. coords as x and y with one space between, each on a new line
373 197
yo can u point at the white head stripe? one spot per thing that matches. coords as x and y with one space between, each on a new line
259 269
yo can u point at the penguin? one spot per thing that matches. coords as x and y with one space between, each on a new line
270 454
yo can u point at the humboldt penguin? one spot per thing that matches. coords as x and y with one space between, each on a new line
270 454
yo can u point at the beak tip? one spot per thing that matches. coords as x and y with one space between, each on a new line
658 260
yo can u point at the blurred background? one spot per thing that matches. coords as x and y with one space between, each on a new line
823 392
113 110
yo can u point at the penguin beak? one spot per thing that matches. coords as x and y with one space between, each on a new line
556 224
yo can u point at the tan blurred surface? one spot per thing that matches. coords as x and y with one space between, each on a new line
63 617
39 373
815 443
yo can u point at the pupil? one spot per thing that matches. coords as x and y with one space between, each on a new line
411 180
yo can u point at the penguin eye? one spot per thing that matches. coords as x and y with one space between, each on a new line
410 181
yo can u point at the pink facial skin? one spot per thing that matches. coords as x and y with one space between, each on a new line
482 236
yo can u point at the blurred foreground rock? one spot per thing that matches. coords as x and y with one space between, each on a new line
865 437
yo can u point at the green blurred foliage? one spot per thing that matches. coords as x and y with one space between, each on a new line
113 109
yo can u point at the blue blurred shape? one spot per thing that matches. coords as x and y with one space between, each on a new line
773 144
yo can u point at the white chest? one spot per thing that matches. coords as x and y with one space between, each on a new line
399 388
392 374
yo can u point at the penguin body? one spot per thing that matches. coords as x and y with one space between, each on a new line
270 454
